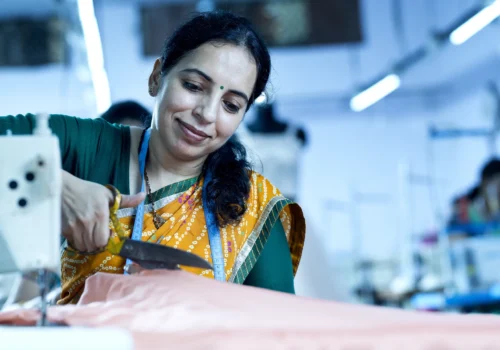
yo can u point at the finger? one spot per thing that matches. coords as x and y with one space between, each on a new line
86 234
131 201
101 233
109 195
68 231
74 238
75 243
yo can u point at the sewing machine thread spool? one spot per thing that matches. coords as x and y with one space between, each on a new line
42 125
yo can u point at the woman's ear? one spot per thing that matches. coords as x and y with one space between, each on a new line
154 78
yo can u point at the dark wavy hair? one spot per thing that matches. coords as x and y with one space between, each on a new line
230 185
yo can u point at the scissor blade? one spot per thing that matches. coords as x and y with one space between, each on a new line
160 256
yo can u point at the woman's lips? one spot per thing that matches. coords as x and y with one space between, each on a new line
192 133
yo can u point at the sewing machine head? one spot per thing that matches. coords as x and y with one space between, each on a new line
30 201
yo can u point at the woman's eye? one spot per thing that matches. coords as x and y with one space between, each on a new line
191 86
231 107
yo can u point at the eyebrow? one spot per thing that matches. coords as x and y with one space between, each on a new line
209 79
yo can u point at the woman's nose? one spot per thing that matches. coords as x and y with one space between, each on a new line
207 110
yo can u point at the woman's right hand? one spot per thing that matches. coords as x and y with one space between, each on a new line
85 212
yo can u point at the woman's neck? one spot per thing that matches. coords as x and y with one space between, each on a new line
165 169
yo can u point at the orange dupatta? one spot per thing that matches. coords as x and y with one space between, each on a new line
180 204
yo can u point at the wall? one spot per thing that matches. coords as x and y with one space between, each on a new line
53 89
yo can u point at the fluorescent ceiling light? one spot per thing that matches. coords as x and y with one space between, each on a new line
475 23
375 93
95 55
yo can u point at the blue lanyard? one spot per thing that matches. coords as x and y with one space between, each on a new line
213 234
139 215
212 227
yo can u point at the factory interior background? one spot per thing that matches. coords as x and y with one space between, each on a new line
391 113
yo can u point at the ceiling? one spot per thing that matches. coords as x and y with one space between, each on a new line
392 29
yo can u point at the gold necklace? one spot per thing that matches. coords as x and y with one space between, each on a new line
157 219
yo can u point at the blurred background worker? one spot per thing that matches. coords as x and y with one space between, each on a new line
128 113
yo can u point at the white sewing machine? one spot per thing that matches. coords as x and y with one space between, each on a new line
30 227
30 200
30 204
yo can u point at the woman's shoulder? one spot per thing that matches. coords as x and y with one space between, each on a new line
91 133
267 205
263 190
265 200
257 178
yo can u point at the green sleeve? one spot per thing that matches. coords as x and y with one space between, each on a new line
273 269
91 149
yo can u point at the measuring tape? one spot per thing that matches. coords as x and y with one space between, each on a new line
139 215
213 234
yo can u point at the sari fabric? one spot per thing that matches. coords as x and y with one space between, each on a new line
180 205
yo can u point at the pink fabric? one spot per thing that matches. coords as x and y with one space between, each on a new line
178 310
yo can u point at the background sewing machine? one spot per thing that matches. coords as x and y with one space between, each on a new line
30 226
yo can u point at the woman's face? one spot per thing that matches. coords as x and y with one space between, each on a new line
202 99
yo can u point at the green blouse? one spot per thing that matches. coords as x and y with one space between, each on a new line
97 151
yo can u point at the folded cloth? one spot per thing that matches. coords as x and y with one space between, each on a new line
179 310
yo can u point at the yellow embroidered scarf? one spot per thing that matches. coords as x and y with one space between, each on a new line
180 204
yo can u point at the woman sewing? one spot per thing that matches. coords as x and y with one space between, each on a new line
210 72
